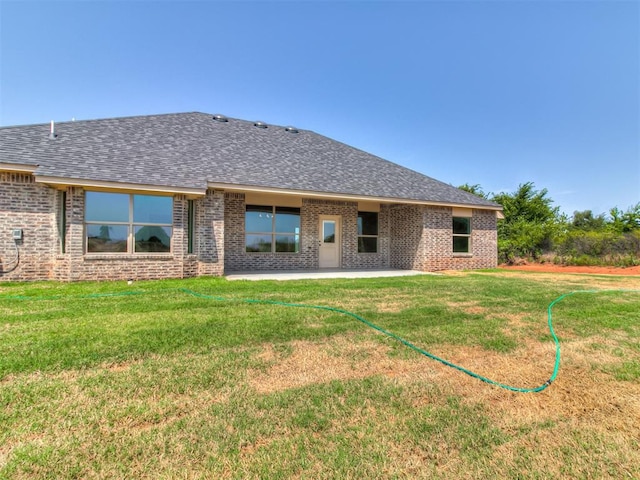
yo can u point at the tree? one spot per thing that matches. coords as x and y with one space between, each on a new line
527 204
476 189
623 222
585 220
530 222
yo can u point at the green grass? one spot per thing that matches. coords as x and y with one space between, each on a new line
152 382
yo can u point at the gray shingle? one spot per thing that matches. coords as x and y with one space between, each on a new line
190 149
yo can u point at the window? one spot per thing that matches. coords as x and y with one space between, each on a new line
367 232
62 220
272 229
127 223
190 225
461 234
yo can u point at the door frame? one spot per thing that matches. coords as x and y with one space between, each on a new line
338 239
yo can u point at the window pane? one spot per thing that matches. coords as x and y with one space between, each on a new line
461 244
462 225
153 239
258 219
152 209
258 243
329 231
367 244
288 243
106 207
367 223
287 220
107 238
190 225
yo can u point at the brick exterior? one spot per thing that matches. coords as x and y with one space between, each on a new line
421 238
237 259
27 205
410 237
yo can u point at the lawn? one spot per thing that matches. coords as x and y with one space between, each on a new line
188 379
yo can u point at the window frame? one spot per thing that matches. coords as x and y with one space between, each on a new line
456 235
365 236
273 233
62 221
191 217
131 225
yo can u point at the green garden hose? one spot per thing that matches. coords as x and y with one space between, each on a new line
540 388
392 335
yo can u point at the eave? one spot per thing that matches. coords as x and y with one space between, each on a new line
344 196
18 167
62 182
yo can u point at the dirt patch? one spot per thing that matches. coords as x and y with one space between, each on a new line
587 270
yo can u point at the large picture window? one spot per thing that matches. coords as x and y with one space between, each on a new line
461 234
367 232
272 229
128 223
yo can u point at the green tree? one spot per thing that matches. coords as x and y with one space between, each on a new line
476 189
585 220
623 222
530 222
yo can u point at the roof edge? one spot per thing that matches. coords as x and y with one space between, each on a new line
311 193
18 167
105 185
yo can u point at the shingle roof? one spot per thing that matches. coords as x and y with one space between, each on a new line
187 150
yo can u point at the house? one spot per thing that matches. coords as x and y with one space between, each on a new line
190 194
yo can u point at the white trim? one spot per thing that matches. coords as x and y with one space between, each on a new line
117 186
18 167
342 196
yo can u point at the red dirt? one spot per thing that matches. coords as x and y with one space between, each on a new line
551 268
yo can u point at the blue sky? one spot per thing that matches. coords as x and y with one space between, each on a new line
495 93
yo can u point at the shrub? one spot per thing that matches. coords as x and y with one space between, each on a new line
599 248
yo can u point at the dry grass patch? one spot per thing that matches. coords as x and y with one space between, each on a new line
571 281
321 362
470 307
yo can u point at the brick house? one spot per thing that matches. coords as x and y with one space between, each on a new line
189 194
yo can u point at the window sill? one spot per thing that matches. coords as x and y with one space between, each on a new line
273 253
128 256
463 255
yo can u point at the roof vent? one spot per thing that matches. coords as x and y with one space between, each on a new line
52 131
260 124
291 129
220 118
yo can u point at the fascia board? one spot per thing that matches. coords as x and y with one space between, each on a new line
342 196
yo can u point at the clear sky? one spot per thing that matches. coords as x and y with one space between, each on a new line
495 93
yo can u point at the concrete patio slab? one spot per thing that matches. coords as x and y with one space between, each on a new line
320 274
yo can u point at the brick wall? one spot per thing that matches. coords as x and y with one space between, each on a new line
237 259
29 206
209 244
410 237
37 208
406 235
421 239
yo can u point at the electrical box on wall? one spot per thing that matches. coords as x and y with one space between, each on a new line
17 234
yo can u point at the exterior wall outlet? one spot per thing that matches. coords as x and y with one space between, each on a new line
17 234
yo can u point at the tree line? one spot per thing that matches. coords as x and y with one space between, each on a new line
533 229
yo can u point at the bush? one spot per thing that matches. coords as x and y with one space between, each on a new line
599 248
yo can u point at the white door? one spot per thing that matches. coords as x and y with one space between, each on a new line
329 241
